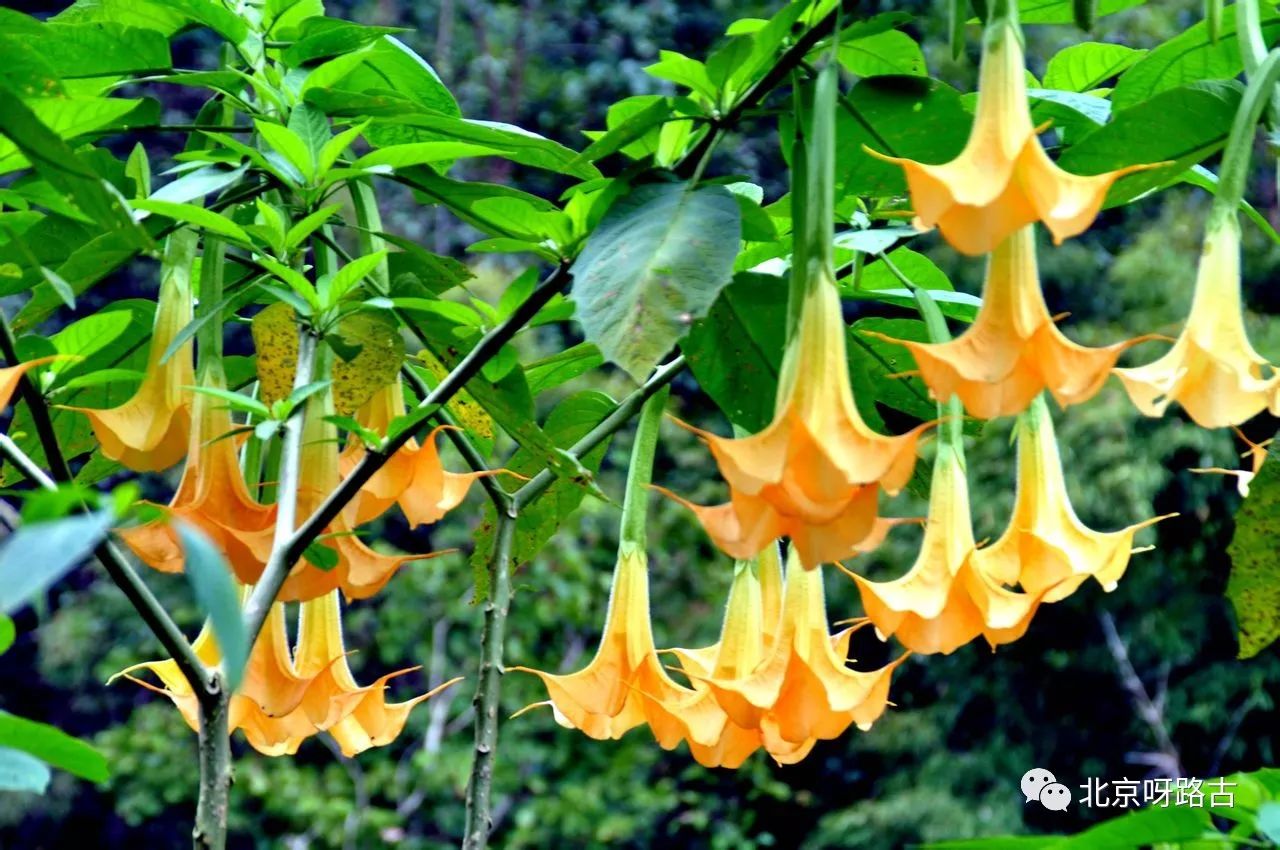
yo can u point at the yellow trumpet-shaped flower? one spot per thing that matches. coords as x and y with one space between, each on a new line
151 430
802 691
211 495
947 598
1046 548
360 572
1213 370
625 685
414 476
280 705
356 717
815 472
1003 180
1013 350
1257 454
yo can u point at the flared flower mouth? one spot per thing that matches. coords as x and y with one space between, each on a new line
1046 548
1013 350
1003 180
1212 370
946 599
815 473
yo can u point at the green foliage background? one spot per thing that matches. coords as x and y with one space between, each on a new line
944 764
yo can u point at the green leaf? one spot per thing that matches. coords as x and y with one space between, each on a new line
197 184
320 38
1063 11
681 70
88 336
236 401
289 145
215 16
70 117
312 127
351 275
1086 66
654 265
195 215
890 53
418 273
878 281
628 121
1190 57
422 153
390 66
302 229
53 746
105 49
210 578
39 554
460 197
1269 821
1181 126
7 633
873 360
571 420
899 116
1254 586
20 771
559 368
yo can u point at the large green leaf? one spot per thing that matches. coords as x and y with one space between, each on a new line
875 365
1063 11
1085 66
390 66
95 50
735 352
38 554
1189 57
654 265
1254 587
1182 126
53 746
148 14
900 116
889 53
571 420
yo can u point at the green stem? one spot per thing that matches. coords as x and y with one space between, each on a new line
213 263
479 817
621 415
635 505
1234 173
279 563
214 748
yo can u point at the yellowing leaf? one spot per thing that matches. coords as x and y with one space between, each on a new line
374 367
275 338
463 406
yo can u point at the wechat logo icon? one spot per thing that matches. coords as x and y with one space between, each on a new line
1042 786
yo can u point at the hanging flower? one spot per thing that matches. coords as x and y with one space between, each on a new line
357 570
815 472
1257 454
802 691
356 717
414 476
151 431
947 597
1003 180
279 705
1013 350
1046 548
1213 370
626 685
212 495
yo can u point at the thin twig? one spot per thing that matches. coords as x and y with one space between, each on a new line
1148 711
621 415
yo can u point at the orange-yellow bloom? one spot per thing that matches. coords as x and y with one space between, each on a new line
1213 370
625 685
1013 350
802 691
414 476
815 472
211 495
1003 180
360 572
279 704
151 430
1257 454
1046 548
10 375
947 598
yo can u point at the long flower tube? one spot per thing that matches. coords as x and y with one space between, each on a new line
1046 548
151 431
1013 350
815 472
626 685
1003 180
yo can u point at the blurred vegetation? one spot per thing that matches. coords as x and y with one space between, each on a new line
944 764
